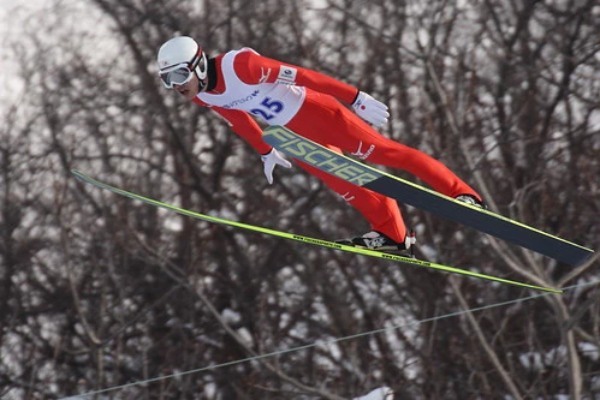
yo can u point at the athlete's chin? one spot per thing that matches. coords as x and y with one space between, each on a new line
188 94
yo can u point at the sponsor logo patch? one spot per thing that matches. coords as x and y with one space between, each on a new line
287 75
264 75
238 102
365 155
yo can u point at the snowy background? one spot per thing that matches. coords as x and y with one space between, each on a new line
102 294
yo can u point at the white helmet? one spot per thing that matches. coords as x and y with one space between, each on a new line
179 53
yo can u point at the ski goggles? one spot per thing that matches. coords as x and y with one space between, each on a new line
177 75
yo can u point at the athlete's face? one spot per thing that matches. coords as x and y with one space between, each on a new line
190 89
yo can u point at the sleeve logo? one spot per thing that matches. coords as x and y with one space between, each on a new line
287 75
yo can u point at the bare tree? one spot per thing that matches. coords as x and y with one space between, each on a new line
99 291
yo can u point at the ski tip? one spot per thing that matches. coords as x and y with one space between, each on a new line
80 175
76 173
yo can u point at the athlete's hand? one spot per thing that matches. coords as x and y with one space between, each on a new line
371 110
271 159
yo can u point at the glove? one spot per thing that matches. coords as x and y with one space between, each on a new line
271 159
371 110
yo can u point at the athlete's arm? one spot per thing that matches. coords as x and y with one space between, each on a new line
242 124
253 68
246 127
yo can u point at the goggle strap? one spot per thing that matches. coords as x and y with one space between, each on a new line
195 60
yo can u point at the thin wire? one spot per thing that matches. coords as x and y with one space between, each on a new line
323 343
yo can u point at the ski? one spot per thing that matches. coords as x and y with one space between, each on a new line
423 198
306 239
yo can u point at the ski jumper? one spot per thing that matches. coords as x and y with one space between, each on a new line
310 104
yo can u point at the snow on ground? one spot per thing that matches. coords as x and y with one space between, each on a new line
382 393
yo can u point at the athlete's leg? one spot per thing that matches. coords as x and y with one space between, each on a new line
380 211
325 121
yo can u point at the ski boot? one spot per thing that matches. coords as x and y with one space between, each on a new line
472 200
379 242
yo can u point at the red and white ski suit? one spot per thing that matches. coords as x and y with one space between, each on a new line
310 104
